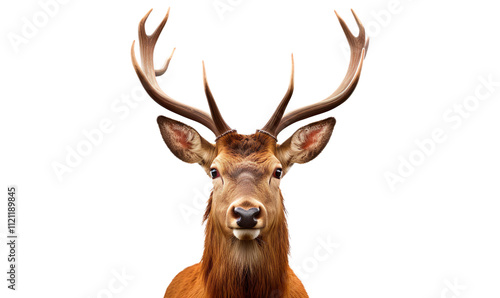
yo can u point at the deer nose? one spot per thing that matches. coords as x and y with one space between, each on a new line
246 218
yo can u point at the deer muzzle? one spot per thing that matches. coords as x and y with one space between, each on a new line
246 218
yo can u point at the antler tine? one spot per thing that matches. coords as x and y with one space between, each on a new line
147 75
358 42
163 69
219 122
272 124
148 42
358 47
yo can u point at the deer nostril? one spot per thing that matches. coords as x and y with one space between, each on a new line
246 218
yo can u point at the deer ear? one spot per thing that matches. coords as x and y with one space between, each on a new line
306 143
185 142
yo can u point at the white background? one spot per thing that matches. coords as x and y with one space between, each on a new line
121 207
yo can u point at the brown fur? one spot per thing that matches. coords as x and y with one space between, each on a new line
233 268
221 274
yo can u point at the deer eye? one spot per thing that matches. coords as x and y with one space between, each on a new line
277 173
214 173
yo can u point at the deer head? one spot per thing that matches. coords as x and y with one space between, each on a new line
245 213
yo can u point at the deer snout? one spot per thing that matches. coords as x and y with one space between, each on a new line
246 217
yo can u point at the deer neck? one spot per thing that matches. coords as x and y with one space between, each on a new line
256 268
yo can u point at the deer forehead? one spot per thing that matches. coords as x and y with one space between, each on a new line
238 154
246 145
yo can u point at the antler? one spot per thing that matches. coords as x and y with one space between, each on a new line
147 75
358 46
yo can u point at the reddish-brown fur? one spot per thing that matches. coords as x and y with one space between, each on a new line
222 273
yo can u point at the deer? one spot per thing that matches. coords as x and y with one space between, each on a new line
246 243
